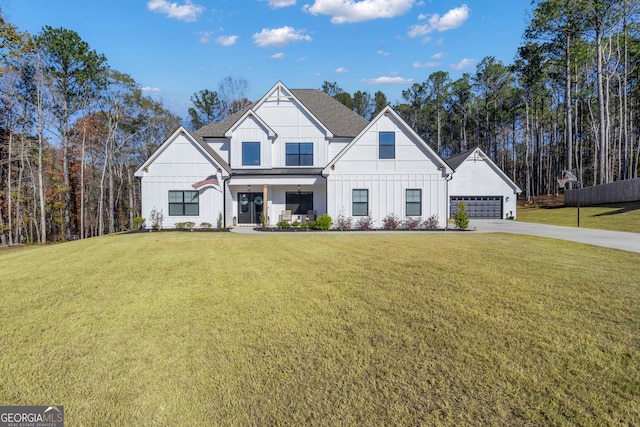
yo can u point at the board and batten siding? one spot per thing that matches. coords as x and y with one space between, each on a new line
387 179
290 124
180 165
475 177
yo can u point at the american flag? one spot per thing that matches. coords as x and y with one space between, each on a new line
210 180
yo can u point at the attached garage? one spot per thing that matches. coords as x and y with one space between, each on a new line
487 192
478 207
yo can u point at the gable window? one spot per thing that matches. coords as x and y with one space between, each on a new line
299 203
250 153
299 154
413 202
360 199
387 145
184 203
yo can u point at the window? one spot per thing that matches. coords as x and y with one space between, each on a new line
250 154
184 203
299 154
413 202
387 147
360 202
299 203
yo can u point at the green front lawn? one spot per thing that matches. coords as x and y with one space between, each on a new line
322 329
615 217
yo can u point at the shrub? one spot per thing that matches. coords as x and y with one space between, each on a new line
344 223
138 222
189 225
324 222
179 225
432 223
284 225
206 225
156 217
311 224
391 222
295 224
412 223
365 223
461 218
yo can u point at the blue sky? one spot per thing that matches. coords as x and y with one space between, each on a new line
174 48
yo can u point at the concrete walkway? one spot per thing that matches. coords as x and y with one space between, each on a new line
608 239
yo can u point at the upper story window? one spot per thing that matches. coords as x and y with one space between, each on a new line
250 153
299 154
387 145
184 203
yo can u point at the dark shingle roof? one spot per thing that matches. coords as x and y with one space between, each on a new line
456 161
340 120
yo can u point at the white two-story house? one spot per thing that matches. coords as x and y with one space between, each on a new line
297 151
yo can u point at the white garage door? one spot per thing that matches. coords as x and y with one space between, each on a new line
478 207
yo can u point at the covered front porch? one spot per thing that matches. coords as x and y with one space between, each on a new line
249 197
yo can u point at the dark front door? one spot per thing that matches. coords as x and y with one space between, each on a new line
250 207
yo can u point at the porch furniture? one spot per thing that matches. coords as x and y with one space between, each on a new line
285 216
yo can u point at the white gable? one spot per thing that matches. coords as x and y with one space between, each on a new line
411 153
477 175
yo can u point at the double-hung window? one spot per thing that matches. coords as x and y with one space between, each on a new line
250 153
360 199
387 145
299 154
413 202
184 203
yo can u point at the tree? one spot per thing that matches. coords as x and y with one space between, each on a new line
207 108
331 89
380 101
75 70
363 104
233 95
438 85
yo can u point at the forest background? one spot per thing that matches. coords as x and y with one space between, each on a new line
73 130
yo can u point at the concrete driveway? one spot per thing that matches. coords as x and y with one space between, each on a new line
608 239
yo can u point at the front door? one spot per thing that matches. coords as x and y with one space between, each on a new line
250 206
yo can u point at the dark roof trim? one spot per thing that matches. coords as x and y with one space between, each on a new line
276 171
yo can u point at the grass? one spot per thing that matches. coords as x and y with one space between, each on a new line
615 217
382 329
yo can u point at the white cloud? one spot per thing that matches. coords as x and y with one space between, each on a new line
278 37
341 70
439 55
153 90
426 64
465 63
388 81
449 21
278 55
383 53
227 40
276 4
187 12
346 11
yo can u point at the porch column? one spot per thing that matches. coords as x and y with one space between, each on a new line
265 193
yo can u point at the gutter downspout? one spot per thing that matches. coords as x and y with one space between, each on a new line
448 178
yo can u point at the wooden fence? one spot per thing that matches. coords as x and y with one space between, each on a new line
615 192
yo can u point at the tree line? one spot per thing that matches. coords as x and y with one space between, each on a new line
73 130
569 102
